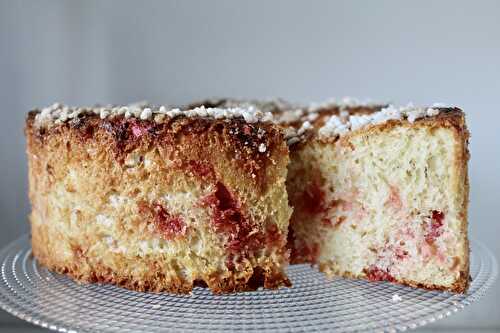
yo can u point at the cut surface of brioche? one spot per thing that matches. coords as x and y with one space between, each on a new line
160 206
384 202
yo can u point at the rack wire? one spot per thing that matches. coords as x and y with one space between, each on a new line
33 293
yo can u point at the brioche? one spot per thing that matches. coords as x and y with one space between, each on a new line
153 199
157 199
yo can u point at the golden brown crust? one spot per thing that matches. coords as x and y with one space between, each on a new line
199 150
238 140
462 141
448 117
266 277
457 287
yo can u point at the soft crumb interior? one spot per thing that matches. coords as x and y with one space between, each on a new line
389 205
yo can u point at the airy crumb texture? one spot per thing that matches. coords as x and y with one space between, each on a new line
384 201
159 205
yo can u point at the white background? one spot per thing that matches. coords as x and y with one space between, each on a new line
83 52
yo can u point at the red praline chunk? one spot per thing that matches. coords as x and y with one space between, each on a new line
434 229
374 273
169 226
313 199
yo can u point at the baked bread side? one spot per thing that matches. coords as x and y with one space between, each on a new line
161 203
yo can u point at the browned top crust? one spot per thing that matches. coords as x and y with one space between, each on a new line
339 122
326 121
58 113
250 145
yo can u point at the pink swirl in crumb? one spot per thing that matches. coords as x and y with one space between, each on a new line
244 238
435 228
394 199
169 226
313 199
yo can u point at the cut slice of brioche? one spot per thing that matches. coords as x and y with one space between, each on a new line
382 196
159 200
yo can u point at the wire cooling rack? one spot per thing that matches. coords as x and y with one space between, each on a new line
41 297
